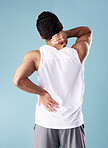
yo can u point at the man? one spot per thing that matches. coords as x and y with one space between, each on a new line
58 118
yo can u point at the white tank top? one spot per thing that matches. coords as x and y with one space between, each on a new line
61 74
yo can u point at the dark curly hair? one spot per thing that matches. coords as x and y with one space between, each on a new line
48 24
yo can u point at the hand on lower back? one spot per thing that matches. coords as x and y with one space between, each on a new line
48 102
60 38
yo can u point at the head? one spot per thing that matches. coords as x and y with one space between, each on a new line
48 25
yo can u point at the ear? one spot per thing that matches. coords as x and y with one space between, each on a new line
41 36
61 25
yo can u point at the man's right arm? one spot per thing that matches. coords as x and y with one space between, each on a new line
83 42
26 69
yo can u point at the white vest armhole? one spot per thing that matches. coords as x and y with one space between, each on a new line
41 54
76 56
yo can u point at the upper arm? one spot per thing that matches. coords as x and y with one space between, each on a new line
26 68
82 45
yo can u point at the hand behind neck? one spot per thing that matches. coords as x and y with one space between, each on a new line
57 46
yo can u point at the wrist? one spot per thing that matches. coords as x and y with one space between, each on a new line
43 92
67 33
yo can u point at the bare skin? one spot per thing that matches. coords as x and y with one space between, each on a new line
31 62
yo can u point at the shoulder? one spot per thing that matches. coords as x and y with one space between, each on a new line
33 53
32 56
82 45
36 54
82 49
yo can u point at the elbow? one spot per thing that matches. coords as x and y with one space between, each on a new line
89 30
16 81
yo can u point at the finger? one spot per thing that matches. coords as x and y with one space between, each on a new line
47 107
55 39
56 35
59 39
51 108
64 44
53 101
58 42
54 105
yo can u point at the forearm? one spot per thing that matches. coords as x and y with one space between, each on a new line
28 86
78 32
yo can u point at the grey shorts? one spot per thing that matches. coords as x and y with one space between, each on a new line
59 138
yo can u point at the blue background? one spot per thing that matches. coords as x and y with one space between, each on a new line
18 35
